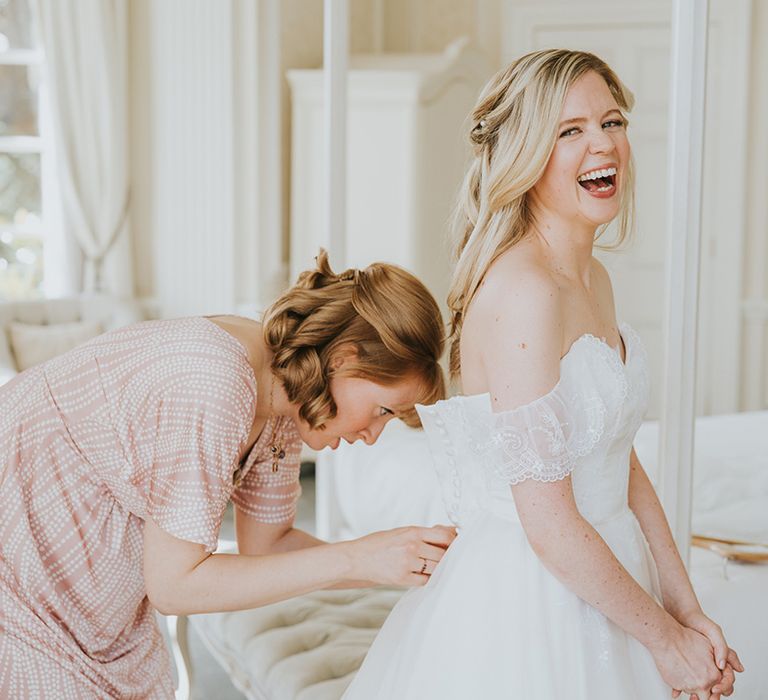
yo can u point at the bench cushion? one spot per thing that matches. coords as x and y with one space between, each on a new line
308 648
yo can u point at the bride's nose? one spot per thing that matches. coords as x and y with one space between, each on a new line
600 142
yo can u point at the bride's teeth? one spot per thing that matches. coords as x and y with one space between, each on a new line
594 174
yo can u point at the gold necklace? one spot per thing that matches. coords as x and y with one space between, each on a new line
276 448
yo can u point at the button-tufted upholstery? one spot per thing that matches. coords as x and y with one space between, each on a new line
308 648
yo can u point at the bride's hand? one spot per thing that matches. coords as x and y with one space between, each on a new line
686 661
698 621
405 556
725 657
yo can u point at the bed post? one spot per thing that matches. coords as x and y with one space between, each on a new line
686 141
335 60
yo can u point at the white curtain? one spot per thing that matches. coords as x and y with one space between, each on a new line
86 49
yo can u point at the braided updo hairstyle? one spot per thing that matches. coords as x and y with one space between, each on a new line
383 312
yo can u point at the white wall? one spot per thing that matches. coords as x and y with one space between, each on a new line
754 376
206 136
205 242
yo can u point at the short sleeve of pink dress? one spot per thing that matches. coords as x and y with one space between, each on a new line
182 423
192 434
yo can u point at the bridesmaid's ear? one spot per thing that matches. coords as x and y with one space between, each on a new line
344 355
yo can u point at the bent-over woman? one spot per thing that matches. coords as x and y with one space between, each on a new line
119 459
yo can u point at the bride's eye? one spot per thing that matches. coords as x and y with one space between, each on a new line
383 411
613 123
570 132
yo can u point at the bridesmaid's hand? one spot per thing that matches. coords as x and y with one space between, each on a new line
405 556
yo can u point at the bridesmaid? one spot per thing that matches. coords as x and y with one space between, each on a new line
119 459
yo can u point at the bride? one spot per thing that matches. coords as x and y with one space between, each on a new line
564 581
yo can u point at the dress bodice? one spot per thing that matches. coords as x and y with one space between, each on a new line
583 427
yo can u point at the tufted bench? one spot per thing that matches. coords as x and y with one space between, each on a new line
308 648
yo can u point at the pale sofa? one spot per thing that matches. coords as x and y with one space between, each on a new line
101 312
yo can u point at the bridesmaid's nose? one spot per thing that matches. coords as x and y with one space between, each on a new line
370 434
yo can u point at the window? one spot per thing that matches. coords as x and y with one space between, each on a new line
24 153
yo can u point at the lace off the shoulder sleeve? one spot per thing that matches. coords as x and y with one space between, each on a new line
543 439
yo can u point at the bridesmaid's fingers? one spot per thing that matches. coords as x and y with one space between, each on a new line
416 579
430 551
439 535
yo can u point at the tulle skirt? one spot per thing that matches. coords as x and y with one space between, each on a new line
493 623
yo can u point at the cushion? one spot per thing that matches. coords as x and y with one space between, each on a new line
33 344
308 648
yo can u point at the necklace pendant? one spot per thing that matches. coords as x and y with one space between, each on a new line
278 453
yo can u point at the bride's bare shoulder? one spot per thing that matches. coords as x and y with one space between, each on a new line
516 282
512 336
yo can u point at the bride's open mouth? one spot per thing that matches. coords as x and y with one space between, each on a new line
600 182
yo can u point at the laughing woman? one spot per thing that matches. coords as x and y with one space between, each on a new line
119 459
564 581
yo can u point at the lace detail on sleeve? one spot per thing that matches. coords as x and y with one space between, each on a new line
542 440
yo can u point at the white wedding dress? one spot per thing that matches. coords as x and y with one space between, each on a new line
493 623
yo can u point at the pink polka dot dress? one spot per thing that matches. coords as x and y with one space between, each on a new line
145 421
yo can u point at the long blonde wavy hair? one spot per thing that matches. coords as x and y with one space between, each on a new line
386 315
513 130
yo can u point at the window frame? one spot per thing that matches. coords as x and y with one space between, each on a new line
39 145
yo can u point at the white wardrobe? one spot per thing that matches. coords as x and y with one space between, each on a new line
406 154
